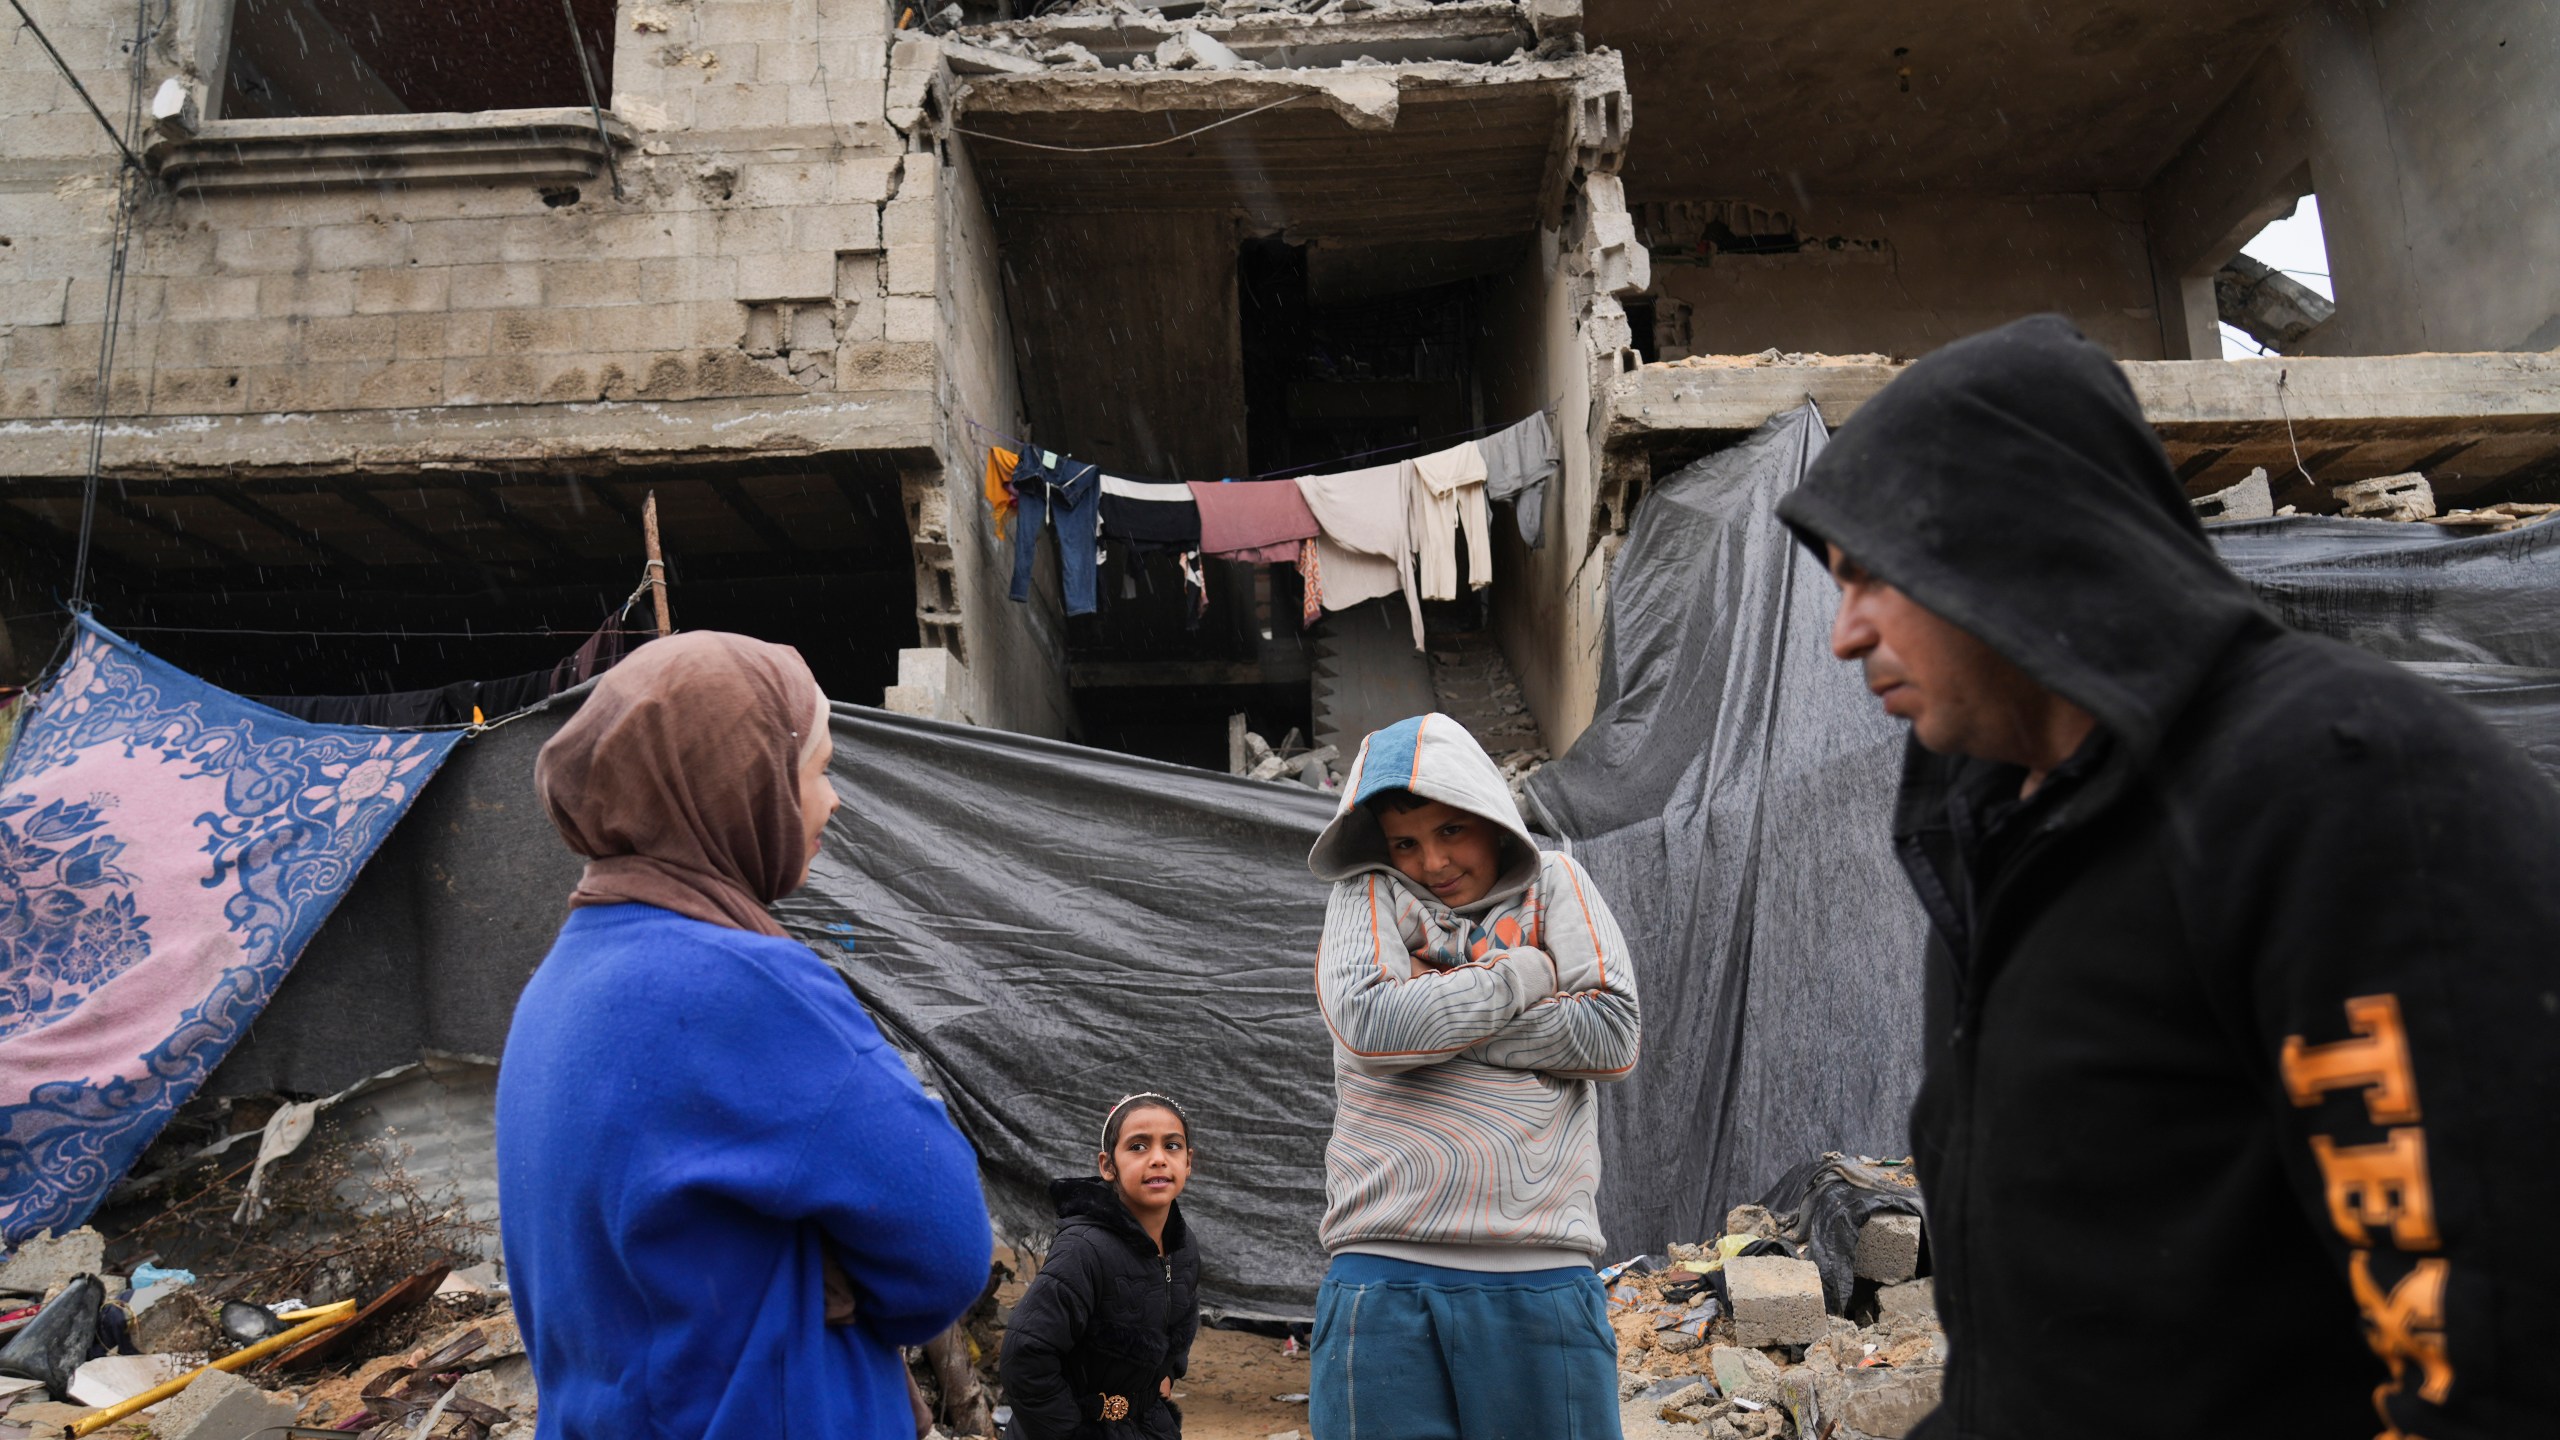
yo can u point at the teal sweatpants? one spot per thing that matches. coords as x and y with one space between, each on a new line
1418 1352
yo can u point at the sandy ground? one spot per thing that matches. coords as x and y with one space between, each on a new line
1227 1395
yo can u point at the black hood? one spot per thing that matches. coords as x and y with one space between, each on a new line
2010 484
1092 1200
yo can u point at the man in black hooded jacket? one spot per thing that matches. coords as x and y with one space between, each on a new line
2243 1015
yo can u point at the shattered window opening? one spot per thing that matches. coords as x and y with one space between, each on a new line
301 58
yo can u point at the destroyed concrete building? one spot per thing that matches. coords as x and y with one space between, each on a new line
410 329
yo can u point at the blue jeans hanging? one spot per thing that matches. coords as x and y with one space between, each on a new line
1048 486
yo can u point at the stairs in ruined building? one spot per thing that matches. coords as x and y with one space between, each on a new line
1366 674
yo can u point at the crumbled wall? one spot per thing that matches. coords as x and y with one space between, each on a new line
746 258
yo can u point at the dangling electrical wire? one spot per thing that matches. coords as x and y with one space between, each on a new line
131 180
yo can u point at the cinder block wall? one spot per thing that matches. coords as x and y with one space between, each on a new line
746 259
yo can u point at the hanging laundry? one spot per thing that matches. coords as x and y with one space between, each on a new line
1518 462
999 486
1259 520
1448 496
1364 543
1047 487
1146 513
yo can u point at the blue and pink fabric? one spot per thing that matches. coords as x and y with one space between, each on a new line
166 850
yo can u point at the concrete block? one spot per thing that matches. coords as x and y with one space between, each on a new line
751 232
329 293
798 182
339 338
1888 1249
198 392
197 297
807 275
494 287
35 302
835 227
385 292
260 251
1908 1303
50 1260
220 1406
306 386
1776 1301
2388 497
731 20
913 270
2251 499
742 107
593 282
403 385
369 246
967 59
910 319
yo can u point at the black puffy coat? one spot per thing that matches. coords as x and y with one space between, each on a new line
1108 1315
2241 1031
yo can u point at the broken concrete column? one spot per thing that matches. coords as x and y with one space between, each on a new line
1888 1249
221 1406
1620 264
912 65
2251 499
1776 1301
2388 497
48 1261
1914 1302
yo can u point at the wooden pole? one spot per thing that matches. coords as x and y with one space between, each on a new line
322 1318
657 561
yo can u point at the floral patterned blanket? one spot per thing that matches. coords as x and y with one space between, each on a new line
166 850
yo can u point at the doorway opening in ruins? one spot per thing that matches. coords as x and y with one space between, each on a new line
372 583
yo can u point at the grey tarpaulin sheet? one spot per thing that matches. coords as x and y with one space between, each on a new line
1733 793
1730 799
1049 928
1041 927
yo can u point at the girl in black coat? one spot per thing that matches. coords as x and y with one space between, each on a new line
1105 1329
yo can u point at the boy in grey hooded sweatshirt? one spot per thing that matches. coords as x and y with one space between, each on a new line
1476 990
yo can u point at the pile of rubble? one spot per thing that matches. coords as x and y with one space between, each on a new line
1248 35
2405 498
1317 767
1734 1339
161 1353
1777 357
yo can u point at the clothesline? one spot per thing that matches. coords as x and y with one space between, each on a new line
1286 472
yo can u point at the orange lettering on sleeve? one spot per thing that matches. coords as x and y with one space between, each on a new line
2407 1324
2376 1061
2380 1185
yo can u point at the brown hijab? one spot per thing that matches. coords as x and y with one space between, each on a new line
678 779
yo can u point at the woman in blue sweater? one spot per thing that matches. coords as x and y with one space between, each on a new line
694 1114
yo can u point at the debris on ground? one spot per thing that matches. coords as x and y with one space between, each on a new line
1317 767
2401 497
1741 1337
336 1303
2494 519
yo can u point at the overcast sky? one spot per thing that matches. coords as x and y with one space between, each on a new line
2292 245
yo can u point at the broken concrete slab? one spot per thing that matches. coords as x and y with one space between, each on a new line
1746 1373
221 1406
1888 1249
967 59
1472 31
49 1261
2268 305
1193 50
1776 1301
1882 1402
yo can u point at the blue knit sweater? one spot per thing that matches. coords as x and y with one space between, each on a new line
685 1112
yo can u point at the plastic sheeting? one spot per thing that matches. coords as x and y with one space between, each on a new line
1730 798
1042 928
1734 792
